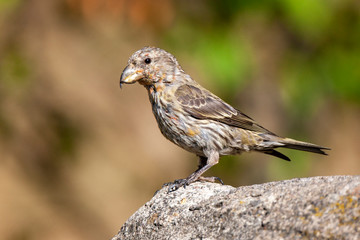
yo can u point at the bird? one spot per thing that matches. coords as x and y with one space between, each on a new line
197 120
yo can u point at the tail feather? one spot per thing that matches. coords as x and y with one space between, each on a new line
292 144
276 154
303 146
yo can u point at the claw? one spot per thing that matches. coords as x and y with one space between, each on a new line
219 179
177 184
211 179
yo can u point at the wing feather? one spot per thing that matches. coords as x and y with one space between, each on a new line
202 104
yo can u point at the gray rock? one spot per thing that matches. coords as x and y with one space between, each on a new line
305 208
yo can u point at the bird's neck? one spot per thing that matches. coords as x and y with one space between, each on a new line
155 90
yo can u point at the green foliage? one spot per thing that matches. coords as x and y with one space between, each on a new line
303 87
309 18
14 70
14 73
342 73
8 5
299 166
223 56
227 63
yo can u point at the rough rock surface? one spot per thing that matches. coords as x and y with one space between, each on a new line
305 208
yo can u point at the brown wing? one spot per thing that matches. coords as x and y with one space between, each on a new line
202 104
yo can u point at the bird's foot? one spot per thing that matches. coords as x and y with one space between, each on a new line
173 186
178 183
210 179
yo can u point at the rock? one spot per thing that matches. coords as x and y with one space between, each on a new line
303 208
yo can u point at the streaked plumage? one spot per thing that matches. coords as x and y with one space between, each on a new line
197 120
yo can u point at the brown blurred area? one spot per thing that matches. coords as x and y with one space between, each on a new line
79 155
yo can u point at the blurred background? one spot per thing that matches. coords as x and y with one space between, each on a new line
78 155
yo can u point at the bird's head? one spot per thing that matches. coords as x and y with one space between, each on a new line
150 65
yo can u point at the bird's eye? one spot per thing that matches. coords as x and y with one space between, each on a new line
147 60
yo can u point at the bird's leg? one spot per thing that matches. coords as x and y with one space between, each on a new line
205 163
202 163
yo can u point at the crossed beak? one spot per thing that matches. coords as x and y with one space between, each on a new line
130 75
